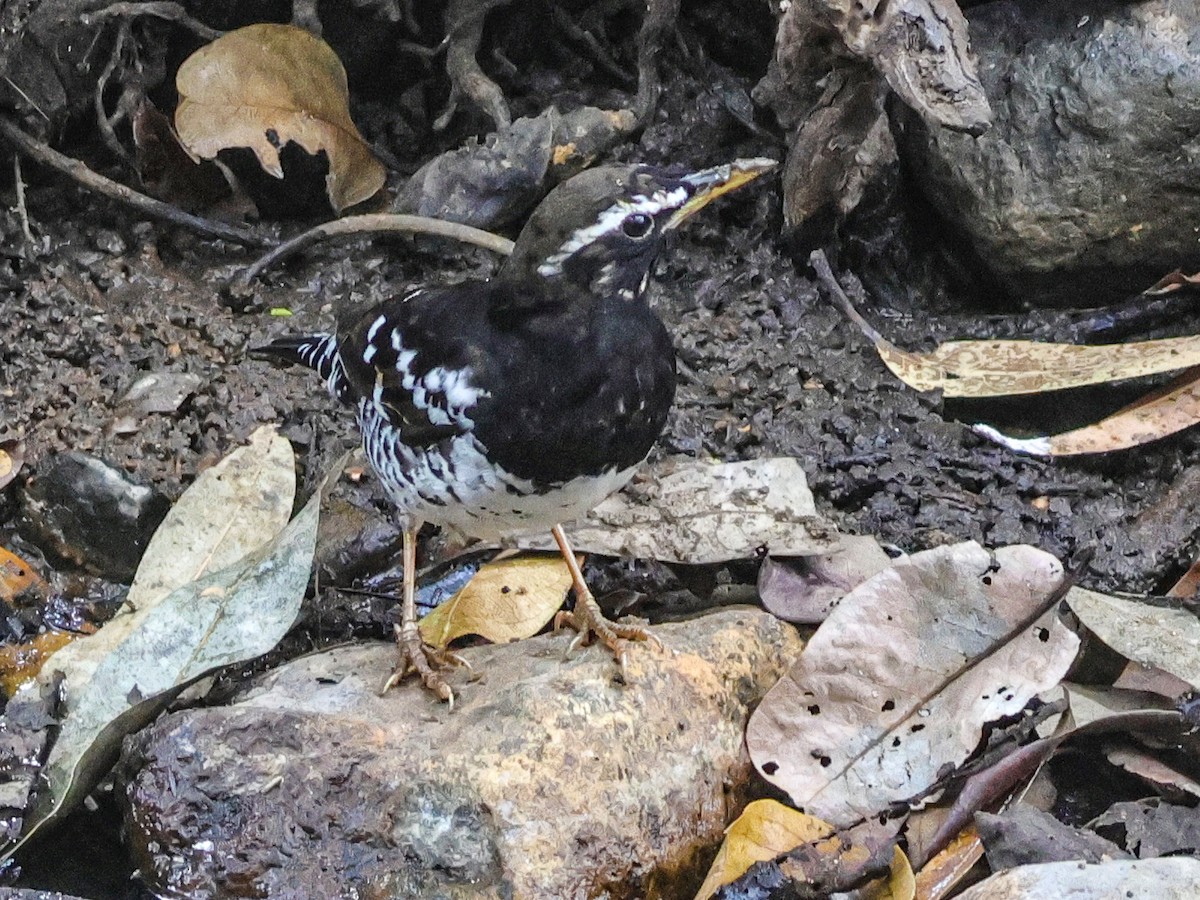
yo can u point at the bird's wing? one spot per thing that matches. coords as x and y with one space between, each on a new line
403 357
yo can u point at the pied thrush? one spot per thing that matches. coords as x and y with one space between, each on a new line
520 402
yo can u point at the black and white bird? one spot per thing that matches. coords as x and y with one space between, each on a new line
520 402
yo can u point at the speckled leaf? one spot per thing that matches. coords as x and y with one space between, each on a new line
264 85
687 511
898 683
1150 635
1163 412
506 601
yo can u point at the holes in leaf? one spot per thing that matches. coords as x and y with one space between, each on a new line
888 705
820 757
987 579
770 768
1043 634
918 727
815 709
895 742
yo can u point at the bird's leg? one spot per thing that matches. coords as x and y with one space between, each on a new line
587 618
415 654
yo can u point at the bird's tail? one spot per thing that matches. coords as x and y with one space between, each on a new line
318 352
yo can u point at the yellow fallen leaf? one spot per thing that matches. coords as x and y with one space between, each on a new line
264 85
765 830
17 577
21 662
1165 411
900 884
1003 368
505 601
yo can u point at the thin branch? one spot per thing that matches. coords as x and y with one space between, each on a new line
40 152
22 209
160 9
374 223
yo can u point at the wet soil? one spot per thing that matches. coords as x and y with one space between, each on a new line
767 367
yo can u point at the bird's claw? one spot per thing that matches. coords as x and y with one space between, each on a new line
424 659
588 620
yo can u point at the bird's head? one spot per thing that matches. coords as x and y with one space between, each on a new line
601 230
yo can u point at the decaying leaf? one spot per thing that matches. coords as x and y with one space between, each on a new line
686 511
1150 828
21 662
1163 879
766 829
897 684
805 589
1163 412
184 617
1008 367
265 85
1150 635
1023 835
507 600
17 577
899 884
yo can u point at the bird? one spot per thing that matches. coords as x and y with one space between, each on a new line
519 402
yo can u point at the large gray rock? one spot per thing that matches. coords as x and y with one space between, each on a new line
1085 188
548 780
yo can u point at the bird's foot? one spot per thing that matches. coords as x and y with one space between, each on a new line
424 659
589 621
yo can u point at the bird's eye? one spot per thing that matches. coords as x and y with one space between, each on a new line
637 225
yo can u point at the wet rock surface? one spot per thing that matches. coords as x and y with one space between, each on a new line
1097 111
549 778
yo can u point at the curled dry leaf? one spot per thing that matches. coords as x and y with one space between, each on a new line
1150 635
897 684
941 875
686 511
506 601
765 830
264 85
1150 828
1165 779
1166 411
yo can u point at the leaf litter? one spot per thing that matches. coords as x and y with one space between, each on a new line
221 582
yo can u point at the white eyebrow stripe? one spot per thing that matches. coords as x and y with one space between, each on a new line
609 221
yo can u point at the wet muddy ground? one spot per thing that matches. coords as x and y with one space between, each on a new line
767 367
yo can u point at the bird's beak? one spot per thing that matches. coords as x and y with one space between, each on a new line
709 184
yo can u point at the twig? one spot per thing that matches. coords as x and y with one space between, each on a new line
22 209
24 96
159 9
40 152
374 223
837 296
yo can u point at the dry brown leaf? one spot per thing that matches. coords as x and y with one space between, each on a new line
804 589
941 875
264 85
1165 778
1172 282
897 684
1164 412
21 662
1150 635
766 829
1004 368
506 601
17 577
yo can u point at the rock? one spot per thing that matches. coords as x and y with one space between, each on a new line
93 514
1083 191
1169 878
549 779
